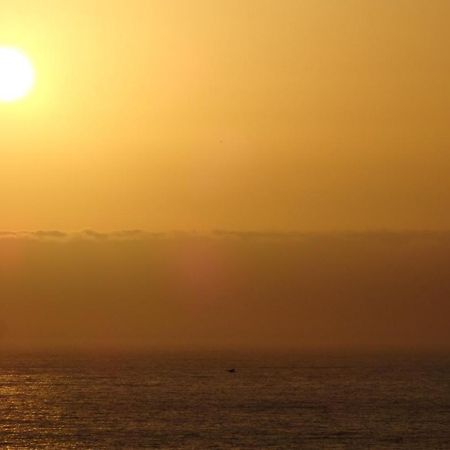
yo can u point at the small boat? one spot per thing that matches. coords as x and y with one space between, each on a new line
231 370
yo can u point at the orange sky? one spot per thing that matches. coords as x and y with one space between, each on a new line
269 115
255 114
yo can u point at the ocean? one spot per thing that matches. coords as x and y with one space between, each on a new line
176 400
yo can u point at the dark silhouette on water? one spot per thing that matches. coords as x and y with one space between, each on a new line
231 370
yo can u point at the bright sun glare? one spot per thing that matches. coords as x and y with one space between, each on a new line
17 74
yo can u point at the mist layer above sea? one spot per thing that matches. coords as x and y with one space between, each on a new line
335 290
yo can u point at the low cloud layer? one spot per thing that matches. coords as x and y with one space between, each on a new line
226 289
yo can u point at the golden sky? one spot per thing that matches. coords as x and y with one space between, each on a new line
230 114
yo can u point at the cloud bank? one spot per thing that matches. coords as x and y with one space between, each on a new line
225 289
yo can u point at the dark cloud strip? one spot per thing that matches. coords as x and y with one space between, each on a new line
232 289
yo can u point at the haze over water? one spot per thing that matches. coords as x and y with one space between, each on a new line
84 314
225 290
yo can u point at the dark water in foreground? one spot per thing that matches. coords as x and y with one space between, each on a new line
190 401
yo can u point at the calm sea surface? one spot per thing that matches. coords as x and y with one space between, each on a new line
189 400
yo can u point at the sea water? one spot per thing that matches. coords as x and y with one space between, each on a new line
191 401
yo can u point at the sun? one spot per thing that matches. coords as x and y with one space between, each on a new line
17 75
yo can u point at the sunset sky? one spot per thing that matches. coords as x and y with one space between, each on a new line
287 163
244 115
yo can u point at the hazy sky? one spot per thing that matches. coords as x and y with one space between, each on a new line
269 115
231 114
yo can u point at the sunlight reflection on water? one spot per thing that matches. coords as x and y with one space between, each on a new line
192 401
